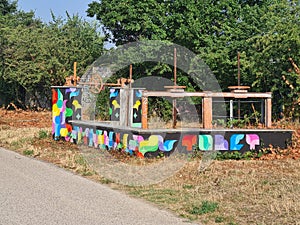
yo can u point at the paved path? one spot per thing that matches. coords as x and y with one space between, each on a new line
34 192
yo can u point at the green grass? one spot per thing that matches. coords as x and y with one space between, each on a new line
28 152
205 207
43 134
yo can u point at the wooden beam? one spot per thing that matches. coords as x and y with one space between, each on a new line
207 112
268 112
172 94
144 113
205 94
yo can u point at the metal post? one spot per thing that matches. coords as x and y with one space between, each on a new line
174 114
262 110
239 84
231 111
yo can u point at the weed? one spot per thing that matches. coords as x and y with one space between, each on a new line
105 181
232 223
188 186
80 160
28 152
16 144
235 155
43 134
219 219
206 207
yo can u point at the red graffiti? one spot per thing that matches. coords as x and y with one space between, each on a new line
188 141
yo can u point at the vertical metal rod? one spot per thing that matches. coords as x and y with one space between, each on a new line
231 112
239 69
239 84
175 67
175 83
239 109
262 109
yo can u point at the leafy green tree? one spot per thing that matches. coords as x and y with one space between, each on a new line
266 33
7 7
37 55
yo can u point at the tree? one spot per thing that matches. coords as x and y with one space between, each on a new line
36 56
7 7
262 31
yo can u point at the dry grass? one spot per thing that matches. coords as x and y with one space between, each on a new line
242 192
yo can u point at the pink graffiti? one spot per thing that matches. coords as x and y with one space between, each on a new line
252 140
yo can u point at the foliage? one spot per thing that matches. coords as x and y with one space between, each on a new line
266 33
36 56
7 7
43 134
206 207
28 152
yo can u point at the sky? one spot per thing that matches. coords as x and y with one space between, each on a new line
42 8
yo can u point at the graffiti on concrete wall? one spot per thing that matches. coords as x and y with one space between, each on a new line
137 109
105 139
234 141
65 107
114 104
153 144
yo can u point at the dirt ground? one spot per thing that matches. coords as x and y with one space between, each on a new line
256 191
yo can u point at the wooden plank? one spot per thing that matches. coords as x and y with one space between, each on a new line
207 112
268 112
124 107
172 94
203 94
144 113
239 95
130 107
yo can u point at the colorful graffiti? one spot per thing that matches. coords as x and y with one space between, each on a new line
105 139
65 106
114 104
144 144
207 142
137 109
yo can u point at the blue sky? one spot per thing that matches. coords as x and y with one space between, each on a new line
42 8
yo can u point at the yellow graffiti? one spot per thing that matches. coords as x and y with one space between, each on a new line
137 104
76 104
115 104
55 110
125 139
63 132
100 139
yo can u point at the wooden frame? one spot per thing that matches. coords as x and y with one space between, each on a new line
207 103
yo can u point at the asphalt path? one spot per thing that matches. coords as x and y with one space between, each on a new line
34 192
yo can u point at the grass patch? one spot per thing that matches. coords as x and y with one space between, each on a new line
237 190
219 219
205 207
43 134
28 152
